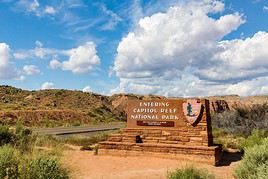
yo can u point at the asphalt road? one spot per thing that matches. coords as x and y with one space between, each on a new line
76 130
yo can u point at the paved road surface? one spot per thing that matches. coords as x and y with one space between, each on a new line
76 130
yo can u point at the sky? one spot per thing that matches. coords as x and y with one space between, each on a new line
161 47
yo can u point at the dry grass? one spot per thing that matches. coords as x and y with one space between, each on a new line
83 141
228 141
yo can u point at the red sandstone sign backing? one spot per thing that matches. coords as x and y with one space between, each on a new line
163 113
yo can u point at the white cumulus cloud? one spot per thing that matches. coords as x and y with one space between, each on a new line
239 59
31 70
181 53
47 85
7 71
87 89
54 64
38 52
169 40
82 59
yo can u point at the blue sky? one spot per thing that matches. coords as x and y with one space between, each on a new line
163 47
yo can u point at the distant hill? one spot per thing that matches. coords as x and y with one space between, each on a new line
67 107
49 107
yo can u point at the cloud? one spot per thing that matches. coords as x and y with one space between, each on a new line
136 12
82 59
50 10
38 52
54 64
113 18
249 87
7 71
180 52
177 38
265 8
47 85
33 7
29 6
244 59
60 11
31 70
87 89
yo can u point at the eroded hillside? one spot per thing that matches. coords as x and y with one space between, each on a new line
45 107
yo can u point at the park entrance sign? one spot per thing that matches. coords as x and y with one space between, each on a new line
172 128
163 113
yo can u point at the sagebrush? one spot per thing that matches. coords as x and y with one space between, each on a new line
254 164
190 172
43 167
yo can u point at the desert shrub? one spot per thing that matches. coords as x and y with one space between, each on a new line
43 167
20 137
24 140
254 164
190 173
103 114
218 132
239 142
5 135
9 162
256 138
76 123
242 121
48 122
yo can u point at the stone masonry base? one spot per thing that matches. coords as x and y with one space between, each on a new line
206 154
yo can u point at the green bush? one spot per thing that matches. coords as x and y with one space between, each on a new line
256 138
23 138
190 173
14 163
254 164
9 163
20 137
44 167
5 135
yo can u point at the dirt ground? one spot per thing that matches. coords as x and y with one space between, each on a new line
85 165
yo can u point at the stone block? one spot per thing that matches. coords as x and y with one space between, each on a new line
149 141
168 142
196 139
115 139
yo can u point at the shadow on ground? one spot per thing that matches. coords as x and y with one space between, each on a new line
229 157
